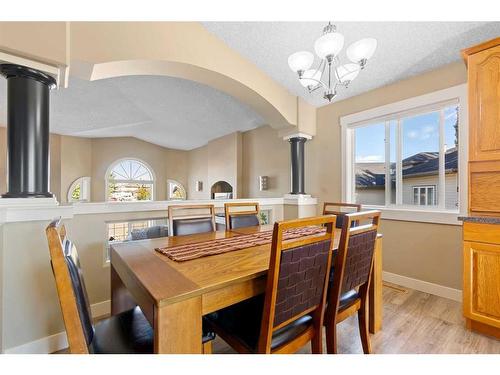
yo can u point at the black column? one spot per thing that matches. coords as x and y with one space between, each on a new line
27 131
297 163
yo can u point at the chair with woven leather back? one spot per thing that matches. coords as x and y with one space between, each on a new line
197 222
353 265
339 209
126 333
241 216
290 313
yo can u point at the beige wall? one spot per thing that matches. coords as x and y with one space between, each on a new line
73 157
166 164
219 160
198 171
76 161
427 252
265 154
45 41
3 160
224 155
29 307
55 165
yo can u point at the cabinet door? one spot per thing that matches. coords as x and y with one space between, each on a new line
481 294
484 105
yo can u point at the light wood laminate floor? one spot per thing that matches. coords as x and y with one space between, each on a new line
414 322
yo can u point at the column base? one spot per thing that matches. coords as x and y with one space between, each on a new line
27 195
299 206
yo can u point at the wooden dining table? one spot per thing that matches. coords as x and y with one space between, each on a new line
174 296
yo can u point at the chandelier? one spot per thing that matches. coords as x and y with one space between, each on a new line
330 74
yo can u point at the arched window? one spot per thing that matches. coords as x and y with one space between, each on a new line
176 190
79 191
129 180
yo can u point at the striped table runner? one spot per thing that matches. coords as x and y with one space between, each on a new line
190 251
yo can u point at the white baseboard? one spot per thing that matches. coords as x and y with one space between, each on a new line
59 341
45 345
423 286
101 308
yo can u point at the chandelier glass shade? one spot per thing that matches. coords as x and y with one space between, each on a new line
329 73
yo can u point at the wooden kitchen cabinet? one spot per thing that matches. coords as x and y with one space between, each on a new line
481 292
481 229
483 71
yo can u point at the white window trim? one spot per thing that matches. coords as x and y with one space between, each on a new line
106 256
175 182
84 190
425 187
110 168
410 213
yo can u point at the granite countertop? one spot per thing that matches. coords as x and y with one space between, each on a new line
480 219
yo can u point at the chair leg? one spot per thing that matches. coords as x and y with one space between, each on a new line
331 338
207 347
317 342
363 322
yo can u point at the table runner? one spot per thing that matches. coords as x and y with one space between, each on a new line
190 251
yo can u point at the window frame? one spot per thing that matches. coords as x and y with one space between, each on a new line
169 194
426 187
116 162
84 182
412 106
130 223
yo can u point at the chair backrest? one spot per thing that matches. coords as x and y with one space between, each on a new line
354 261
335 208
197 222
298 276
70 288
239 215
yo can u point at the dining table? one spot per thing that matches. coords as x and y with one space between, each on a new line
174 296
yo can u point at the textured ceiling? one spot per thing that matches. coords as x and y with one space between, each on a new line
170 112
404 48
182 114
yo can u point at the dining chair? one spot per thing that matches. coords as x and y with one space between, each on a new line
353 265
241 218
290 312
335 208
126 333
196 222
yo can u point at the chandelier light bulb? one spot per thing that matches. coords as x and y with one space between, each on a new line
329 45
362 50
300 61
348 72
310 78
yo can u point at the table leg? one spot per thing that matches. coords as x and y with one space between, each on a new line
121 300
375 298
178 327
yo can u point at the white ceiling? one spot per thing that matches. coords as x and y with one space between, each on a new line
182 114
169 112
404 48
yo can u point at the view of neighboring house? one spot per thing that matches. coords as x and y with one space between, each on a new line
420 180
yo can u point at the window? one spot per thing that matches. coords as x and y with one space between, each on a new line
79 191
175 190
129 180
133 230
424 195
406 154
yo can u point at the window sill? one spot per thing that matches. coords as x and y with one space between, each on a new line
418 215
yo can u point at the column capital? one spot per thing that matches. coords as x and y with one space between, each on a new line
14 70
297 135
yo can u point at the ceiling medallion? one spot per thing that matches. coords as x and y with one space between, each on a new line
330 74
